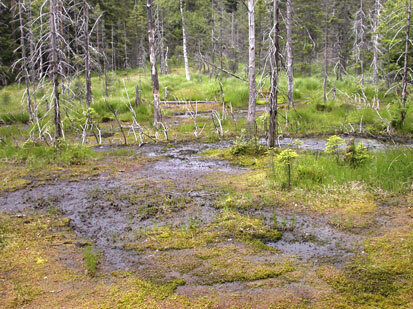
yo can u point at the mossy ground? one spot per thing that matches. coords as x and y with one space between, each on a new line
225 262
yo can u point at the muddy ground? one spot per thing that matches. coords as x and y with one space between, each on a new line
179 191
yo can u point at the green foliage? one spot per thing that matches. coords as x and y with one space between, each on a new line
357 155
286 158
17 117
334 146
91 260
34 154
391 170
243 146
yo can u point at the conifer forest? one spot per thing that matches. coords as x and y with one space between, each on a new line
206 154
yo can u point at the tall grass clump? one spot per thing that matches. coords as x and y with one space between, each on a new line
41 155
390 170
91 260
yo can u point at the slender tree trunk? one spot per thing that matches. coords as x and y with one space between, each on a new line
213 34
251 66
273 128
125 38
154 70
406 63
113 49
188 76
25 62
362 37
326 54
290 71
376 40
55 69
87 54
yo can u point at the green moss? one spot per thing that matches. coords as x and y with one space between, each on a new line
381 278
230 264
229 224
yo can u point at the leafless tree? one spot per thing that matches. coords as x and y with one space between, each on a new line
87 53
376 39
326 52
406 63
251 66
24 60
154 70
188 76
275 59
360 38
290 71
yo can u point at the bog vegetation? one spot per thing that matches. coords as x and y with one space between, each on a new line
214 154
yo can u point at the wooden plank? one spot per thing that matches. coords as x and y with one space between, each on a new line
188 102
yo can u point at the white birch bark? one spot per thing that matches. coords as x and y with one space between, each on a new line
290 72
188 76
251 65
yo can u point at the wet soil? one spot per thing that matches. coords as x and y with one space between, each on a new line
172 191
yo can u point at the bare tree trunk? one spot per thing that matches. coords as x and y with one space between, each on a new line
213 35
376 40
55 69
290 71
406 64
25 62
125 38
251 66
113 49
362 36
273 128
87 54
154 71
326 54
188 76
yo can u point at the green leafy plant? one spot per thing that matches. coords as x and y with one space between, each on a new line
286 158
335 146
357 155
243 146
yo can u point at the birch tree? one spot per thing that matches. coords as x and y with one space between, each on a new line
290 71
87 53
154 70
188 76
326 52
251 66
273 127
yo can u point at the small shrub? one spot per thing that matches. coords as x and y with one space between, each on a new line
242 146
335 146
357 155
286 158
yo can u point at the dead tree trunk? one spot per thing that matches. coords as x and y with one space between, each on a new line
87 54
273 128
25 62
290 71
251 66
55 69
376 40
406 64
326 54
154 71
188 76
